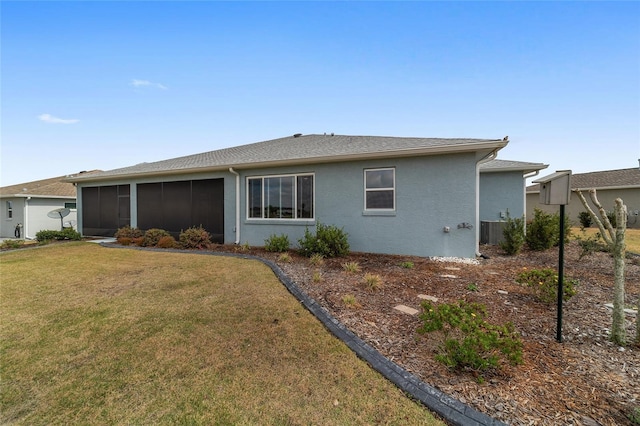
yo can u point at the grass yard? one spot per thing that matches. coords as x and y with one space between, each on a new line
91 335
631 236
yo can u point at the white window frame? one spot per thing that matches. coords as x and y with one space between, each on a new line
367 190
295 177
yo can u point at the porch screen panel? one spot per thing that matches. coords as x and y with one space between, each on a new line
150 206
208 207
176 205
90 210
179 205
104 210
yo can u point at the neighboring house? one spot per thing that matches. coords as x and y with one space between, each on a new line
416 196
609 185
25 207
502 193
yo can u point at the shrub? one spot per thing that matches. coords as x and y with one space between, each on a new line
469 342
277 243
351 267
316 259
544 230
195 237
317 276
513 234
407 265
585 219
166 242
350 301
65 234
284 258
590 245
139 241
329 241
11 244
128 232
152 236
544 282
372 281
125 241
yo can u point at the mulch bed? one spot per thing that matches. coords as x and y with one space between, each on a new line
586 379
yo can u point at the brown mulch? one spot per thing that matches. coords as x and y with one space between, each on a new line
586 379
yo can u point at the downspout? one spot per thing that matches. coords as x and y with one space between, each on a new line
493 154
524 191
237 229
26 219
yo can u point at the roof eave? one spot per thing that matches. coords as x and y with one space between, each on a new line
412 152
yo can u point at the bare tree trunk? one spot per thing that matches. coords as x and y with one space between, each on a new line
614 239
619 254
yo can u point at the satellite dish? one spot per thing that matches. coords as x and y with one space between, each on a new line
59 213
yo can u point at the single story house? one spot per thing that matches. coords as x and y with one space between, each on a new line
609 185
25 207
414 196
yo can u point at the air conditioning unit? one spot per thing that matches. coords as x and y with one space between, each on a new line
491 232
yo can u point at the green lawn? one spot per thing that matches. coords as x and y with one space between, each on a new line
91 335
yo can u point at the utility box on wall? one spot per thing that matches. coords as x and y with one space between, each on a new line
555 189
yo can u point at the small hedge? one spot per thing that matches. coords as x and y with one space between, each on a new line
65 234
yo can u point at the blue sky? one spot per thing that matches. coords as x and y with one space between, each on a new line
103 85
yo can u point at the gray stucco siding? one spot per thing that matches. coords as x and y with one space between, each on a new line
432 192
500 192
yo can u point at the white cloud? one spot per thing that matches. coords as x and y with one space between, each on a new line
48 118
147 83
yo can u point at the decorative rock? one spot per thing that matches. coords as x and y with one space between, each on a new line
448 276
406 309
503 292
426 297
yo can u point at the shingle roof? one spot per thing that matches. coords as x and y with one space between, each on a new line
52 187
608 179
300 149
510 166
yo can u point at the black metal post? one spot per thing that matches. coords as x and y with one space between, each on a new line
560 275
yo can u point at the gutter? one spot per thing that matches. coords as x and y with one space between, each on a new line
237 228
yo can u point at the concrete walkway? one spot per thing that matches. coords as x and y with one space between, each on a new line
450 409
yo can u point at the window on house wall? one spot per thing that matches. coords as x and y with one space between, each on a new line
71 206
380 189
9 209
280 197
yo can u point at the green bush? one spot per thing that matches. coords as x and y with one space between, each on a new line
128 232
585 219
153 235
544 230
513 234
590 245
328 241
544 283
195 237
277 243
65 234
470 342
11 244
